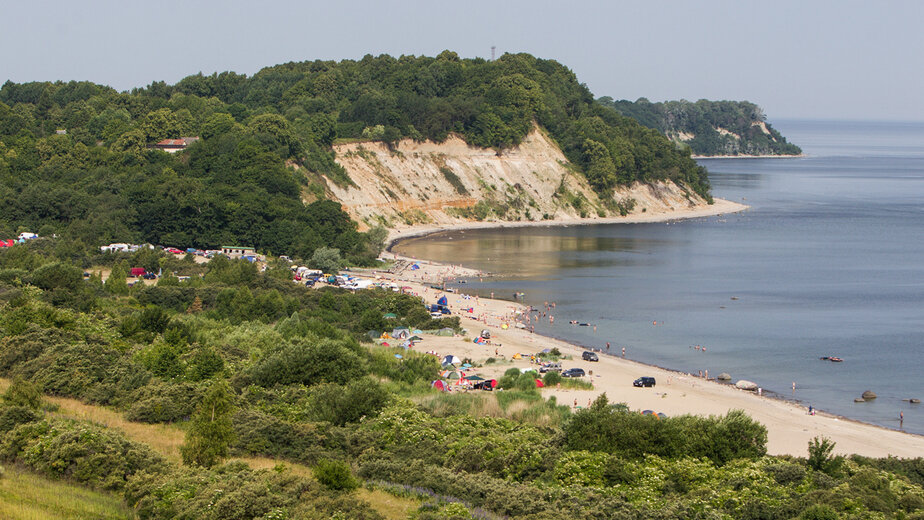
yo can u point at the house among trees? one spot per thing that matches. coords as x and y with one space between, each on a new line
174 145
238 251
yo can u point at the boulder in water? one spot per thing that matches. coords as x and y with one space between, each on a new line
859 400
750 386
869 394
724 376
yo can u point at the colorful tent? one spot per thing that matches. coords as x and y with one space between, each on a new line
439 385
451 360
442 300
390 316
451 374
539 383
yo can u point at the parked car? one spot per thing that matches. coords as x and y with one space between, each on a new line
550 367
149 276
590 356
573 372
644 381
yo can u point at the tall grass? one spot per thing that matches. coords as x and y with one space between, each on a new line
526 406
27 496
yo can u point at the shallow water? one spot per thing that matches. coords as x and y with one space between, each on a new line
829 261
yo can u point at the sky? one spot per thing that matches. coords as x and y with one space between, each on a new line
844 59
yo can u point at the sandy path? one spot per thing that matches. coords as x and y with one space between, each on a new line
789 425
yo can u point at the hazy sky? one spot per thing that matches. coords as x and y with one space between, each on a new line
796 59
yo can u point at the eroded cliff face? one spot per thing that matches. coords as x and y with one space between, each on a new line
428 183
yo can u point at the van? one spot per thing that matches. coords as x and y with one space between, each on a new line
589 356
550 367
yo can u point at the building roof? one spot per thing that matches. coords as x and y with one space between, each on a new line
237 247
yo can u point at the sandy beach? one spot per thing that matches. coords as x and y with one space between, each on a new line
789 424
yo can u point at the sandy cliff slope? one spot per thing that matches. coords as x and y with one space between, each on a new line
419 184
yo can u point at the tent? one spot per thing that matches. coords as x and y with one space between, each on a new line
517 356
451 374
546 351
415 267
415 338
401 333
439 385
474 378
539 383
442 300
390 316
451 360
385 344
445 331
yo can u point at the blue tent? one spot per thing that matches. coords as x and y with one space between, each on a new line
415 267
442 300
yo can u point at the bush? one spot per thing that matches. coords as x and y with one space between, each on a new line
83 452
308 363
23 393
340 405
335 475
551 378
163 403
819 512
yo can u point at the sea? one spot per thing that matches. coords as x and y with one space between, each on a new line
828 261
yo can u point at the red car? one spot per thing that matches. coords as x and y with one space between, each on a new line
174 251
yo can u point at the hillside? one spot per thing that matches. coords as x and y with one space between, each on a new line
413 183
93 165
709 128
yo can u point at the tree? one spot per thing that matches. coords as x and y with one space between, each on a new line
116 283
211 431
326 259
821 456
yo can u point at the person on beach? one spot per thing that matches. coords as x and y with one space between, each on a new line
607 346
575 402
623 351
811 410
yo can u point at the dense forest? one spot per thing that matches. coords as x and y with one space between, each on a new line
244 363
75 157
709 127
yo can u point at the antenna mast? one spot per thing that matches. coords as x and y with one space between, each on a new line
492 52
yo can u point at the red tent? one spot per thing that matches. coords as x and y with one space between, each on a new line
539 383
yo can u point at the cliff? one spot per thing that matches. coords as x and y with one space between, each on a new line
427 183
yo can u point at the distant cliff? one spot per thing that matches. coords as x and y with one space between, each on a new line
710 128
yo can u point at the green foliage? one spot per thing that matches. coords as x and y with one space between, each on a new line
23 393
327 259
211 431
335 475
609 429
821 456
342 404
703 119
82 452
309 362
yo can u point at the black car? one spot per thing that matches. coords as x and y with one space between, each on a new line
590 356
149 276
573 372
644 381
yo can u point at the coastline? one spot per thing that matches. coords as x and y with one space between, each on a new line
718 207
789 426
768 156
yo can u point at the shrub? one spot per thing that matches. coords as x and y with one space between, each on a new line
23 393
340 405
336 475
551 378
211 432
821 457
83 452
819 512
